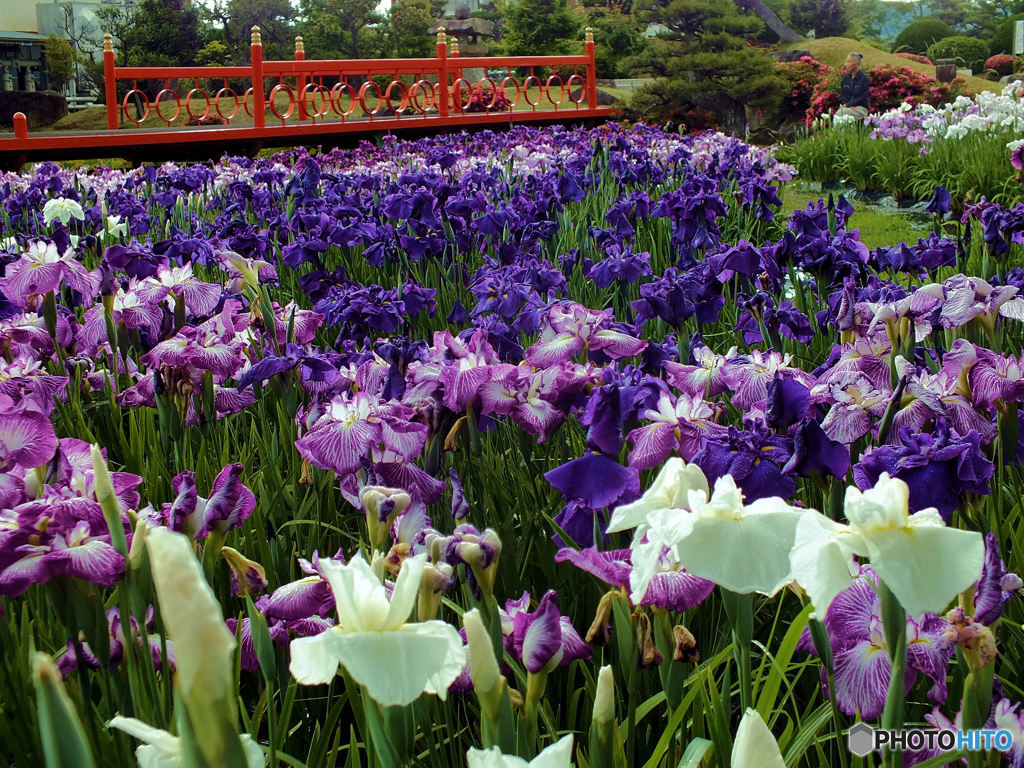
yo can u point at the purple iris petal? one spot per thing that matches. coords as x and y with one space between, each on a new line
603 415
996 585
788 401
230 502
460 506
815 453
596 479
939 204
538 635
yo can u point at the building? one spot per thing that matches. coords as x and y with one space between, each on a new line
25 25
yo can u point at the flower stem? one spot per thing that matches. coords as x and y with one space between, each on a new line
894 624
740 609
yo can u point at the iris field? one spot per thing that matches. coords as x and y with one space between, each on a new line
550 447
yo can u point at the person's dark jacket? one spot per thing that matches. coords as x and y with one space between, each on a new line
855 90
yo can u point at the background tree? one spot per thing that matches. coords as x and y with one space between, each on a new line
826 18
408 22
616 33
162 33
232 21
59 58
213 54
918 35
538 27
118 21
342 28
1002 39
703 62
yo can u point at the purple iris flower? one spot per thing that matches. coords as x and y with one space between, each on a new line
939 468
939 204
44 268
79 654
677 427
620 265
671 589
230 502
677 296
355 428
862 668
571 328
27 438
543 638
753 457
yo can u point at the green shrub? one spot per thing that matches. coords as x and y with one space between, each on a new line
896 163
917 36
969 51
1002 39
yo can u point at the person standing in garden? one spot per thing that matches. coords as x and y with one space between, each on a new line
855 91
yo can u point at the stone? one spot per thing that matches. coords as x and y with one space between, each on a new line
888 202
40 107
604 99
783 56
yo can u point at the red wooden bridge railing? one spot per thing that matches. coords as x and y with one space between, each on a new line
195 112
343 90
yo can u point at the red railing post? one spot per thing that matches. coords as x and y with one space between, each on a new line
20 125
453 53
442 74
110 81
588 45
300 84
259 104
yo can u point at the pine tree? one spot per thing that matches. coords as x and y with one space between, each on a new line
540 28
702 61
164 33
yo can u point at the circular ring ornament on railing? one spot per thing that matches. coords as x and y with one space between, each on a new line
338 92
526 89
574 81
561 92
427 89
459 104
188 104
177 105
216 103
124 106
309 93
272 101
519 92
403 90
362 98
494 92
247 101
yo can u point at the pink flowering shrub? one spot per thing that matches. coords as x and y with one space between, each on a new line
1001 64
800 78
890 87
919 58
484 98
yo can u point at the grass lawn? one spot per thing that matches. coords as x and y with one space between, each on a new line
95 118
877 228
834 50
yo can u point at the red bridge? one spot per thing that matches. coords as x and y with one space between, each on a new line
326 102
